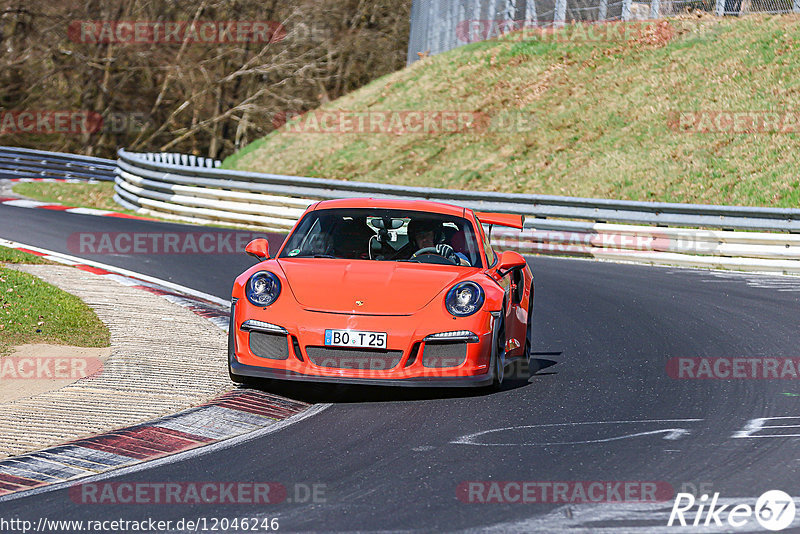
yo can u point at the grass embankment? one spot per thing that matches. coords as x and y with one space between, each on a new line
32 311
602 111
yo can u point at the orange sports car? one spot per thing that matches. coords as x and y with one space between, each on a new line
373 291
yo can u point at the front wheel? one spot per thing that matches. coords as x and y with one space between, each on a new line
529 330
499 359
238 379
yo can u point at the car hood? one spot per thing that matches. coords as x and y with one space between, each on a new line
383 287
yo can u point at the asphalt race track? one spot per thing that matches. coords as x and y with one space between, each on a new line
601 407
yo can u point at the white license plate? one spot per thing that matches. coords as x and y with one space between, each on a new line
355 338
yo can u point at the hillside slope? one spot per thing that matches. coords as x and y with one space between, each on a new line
613 115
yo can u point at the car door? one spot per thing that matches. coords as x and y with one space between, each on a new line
513 284
516 314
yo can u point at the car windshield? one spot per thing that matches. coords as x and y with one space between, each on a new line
384 235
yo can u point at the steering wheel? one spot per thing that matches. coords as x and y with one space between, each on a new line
432 254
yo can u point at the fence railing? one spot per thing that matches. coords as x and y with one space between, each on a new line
642 232
440 25
27 163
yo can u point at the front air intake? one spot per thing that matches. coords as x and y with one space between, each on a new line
440 355
341 358
272 346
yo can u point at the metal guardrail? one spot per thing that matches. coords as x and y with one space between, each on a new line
27 163
186 180
196 189
678 234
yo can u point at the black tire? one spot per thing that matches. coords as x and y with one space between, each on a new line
238 379
498 359
529 330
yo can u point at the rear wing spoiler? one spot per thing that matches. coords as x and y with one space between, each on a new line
501 219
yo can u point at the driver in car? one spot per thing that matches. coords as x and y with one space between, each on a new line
428 235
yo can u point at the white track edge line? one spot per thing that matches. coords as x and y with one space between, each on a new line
119 270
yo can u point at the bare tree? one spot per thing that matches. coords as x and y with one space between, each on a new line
207 97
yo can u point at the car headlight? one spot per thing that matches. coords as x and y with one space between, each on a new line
464 299
263 288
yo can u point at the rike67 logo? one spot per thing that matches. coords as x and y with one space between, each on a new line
774 510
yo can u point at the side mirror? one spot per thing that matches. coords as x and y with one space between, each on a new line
258 248
510 260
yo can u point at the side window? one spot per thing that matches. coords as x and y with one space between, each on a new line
518 279
316 241
491 257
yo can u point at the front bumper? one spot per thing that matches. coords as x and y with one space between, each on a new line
279 374
406 335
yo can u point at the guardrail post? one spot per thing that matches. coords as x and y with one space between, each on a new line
719 9
460 23
443 28
430 24
560 15
655 7
510 10
626 10
441 16
531 19
603 14
455 16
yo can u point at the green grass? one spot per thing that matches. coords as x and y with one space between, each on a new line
83 195
32 311
10 255
600 113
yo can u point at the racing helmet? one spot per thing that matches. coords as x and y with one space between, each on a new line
417 226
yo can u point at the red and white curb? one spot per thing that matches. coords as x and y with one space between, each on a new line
235 416
235 413
27 203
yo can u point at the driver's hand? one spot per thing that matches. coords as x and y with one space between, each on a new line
445 250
